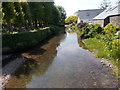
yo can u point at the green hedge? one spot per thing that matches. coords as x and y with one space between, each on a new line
56 29
22 40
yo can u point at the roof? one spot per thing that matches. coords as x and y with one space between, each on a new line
89 14
109 12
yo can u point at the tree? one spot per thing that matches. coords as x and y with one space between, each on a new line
37 13
1 13
62 14
40 14
47 12
71 19
105 4
55 16
27 16
18 15
8 13
19 19
118 2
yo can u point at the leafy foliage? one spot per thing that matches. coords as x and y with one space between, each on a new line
110 29
8 14
19 19
19 16
27 16
62 14
71 19
103 40
90 31
56 16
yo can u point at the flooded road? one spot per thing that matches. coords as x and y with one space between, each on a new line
62 63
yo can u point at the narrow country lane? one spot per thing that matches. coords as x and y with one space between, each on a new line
62 63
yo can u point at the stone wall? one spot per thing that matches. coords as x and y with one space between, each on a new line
100 22
115 20
112 19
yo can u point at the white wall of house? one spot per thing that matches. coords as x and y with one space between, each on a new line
78 21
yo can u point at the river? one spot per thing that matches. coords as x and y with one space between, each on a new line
62 62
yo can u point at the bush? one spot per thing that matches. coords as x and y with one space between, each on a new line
90 31
110 29
81 25
73 27
105 41
115 49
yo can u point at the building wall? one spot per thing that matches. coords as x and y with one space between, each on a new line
78 21
112 19
115 20
100 22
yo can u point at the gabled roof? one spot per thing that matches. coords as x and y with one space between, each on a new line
89 14
109 12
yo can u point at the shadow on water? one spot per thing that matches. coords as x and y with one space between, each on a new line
38 61
37 51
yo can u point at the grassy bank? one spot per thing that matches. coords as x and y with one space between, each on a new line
97 44
104 40
102 51
22 40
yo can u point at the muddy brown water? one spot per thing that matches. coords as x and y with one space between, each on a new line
62 62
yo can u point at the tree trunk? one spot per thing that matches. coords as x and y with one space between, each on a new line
35 23
40 24
9 26
30 25
26 25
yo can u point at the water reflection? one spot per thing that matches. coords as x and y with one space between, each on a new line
69 30
39 60
81 44
62 63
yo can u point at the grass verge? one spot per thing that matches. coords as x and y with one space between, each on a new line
103 51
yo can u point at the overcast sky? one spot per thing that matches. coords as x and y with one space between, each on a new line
72 6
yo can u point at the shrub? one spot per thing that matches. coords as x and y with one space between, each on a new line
115 49
105 42
90 31
110 29
81 25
